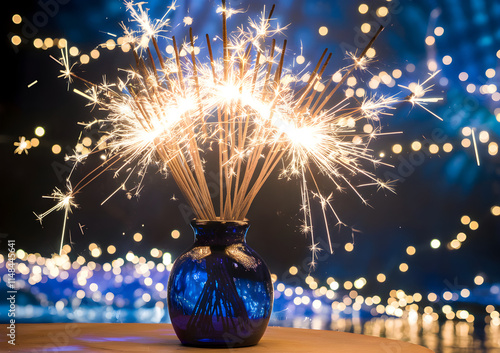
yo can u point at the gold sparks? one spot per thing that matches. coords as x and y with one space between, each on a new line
417 96
245 108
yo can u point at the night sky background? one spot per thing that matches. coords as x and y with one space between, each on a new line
432 195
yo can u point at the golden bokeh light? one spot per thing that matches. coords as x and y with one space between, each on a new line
16 40
461 237
435 243
433 148
370 53
348 285
37 43
323 31
126 47
17 19
484 136
87 141
493 148
411 250
397 73
432 65
96 252
439 31
363 8
382 11
432 297
62 43
137 237
94 54
397 148
455 244
430 40
490 73
447 60
48 42
56 149
39 131
110 44
84 59
366 27
74 51
416 145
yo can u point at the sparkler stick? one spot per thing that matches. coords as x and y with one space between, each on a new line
158 54
311 78
277 76
63 229
225 40
221 179
195 71
346 75
319 77
178 62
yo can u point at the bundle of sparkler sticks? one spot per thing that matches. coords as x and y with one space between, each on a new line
245 108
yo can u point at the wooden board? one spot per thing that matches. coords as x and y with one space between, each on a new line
104 337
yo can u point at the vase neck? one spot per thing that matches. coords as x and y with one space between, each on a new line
219 233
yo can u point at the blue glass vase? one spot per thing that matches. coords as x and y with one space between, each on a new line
220 292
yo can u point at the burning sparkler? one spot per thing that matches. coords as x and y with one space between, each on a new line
245 107
65 201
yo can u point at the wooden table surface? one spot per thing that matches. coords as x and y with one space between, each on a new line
83 337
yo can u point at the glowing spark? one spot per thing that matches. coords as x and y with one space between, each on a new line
32 83
475 146
315 249
84 95
22 146
229 12
359 62
64 202
417 95
148 28
64 62
109 34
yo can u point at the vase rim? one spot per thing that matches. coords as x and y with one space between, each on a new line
220 221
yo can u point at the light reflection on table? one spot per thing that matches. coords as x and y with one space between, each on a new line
448 336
